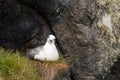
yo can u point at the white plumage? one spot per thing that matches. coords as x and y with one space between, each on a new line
48 52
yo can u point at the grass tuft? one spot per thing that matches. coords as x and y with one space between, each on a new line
16 67
13 66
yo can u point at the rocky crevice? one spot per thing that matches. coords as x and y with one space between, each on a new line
88 46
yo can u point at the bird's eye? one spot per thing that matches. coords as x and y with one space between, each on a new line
50 40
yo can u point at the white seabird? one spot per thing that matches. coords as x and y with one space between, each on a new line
48 52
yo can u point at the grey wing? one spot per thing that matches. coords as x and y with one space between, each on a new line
31 53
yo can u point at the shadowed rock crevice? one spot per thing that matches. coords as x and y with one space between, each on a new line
51 10
21 29
114 73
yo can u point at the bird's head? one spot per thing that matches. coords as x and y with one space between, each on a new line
51 39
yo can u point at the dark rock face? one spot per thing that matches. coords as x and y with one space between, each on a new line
89 54
114 71
52 10
78 40
19 28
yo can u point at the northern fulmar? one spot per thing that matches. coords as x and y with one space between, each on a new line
48 52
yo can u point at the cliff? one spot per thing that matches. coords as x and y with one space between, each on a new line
87 31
